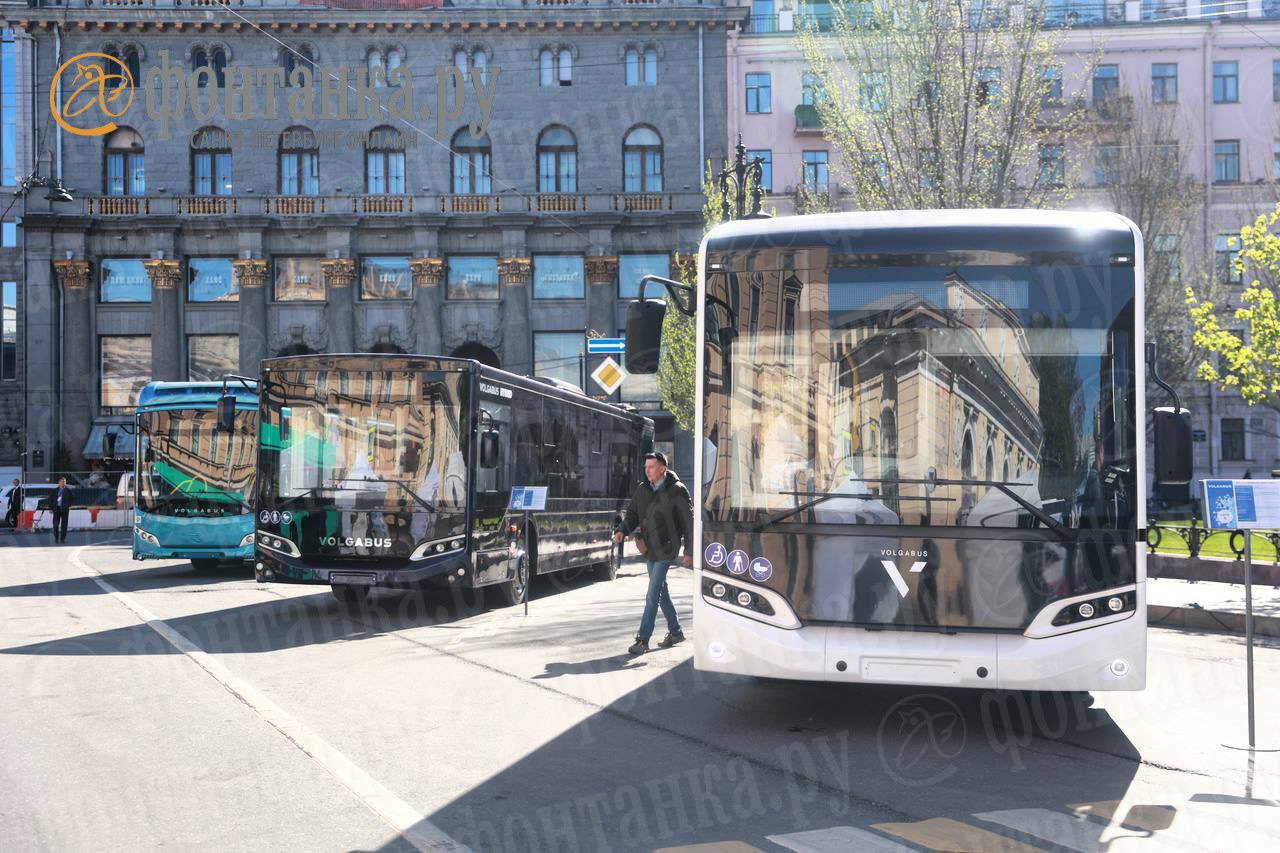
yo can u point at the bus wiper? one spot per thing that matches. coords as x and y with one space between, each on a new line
422 502
292 499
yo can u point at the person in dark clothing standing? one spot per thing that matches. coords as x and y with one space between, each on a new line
60 502
661 515
15 506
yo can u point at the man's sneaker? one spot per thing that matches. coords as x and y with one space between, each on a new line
671 639
639 647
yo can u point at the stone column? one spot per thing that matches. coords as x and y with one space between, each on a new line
79 357
251 279
166 325
428 297
602 295
517 340
339 307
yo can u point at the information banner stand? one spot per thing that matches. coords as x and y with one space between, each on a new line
527 499
1244 505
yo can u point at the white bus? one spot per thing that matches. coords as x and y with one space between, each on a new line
921 448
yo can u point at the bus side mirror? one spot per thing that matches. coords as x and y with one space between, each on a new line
226 413
1172 438
489 449
644 335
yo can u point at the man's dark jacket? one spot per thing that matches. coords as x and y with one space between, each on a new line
665 517
68 500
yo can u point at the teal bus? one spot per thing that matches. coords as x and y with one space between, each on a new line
192 479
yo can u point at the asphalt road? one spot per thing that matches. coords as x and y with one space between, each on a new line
147 705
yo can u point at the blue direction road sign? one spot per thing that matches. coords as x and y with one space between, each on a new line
606 345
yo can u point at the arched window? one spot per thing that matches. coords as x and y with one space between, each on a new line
210 162
218 59
555 67
291 58
395 57
557 161
565 67
633 67
199 59
642 161
546 68
460 61
130 56
651 66
472 162
989 469
384 162
480 60
376 63
299 156
125 163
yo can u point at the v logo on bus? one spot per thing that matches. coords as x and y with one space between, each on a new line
896 576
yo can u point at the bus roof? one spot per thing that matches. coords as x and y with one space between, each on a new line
193 395
904 231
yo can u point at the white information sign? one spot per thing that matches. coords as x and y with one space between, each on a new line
528 497
1242 504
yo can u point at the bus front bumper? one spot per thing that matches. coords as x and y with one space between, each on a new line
144 550
293 570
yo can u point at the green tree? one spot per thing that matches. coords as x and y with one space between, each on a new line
945 104
1248 350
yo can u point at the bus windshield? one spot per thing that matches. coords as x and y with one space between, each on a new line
364 440
189 469
920 391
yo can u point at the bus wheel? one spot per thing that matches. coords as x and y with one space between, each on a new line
607 571
204 565
512 592
350 595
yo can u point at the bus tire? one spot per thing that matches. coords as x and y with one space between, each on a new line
608 570
512 592
205 564
350 595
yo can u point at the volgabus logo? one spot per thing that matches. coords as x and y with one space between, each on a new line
354 542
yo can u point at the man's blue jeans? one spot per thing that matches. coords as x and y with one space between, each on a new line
658 596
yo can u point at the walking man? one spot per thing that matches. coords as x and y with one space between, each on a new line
60 502
15 506
661 515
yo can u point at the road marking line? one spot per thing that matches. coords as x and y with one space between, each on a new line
713 847
945 834
1074 833
838 839
399 815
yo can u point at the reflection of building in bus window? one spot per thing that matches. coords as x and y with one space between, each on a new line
848 580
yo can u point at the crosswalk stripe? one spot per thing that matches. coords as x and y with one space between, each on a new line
945 834
838 839
1150 818
1074 833
713 847
1199 828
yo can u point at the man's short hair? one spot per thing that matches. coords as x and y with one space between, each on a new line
659 456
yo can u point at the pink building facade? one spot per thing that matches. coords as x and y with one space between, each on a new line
1216 67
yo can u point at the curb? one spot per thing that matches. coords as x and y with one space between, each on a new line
1217 621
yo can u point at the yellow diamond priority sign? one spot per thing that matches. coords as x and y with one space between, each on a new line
609 375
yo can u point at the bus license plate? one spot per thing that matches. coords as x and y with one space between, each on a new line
355 580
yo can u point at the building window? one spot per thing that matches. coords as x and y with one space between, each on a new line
9 331
385 278
815 171
642 161
1052 166
642 68
211 280
299 280
215 60
988 86
1167 256
1275 80
301 59
632 268
472 164
131 56
759 93
472 277
558 277
651 66
124 367
1106 165
1226 161
126 167
555 67
1226 251
124 280
871 92
211 162
766 167
1226 83
1233 439
811 91
1164 82
8 110
559 355
384 162
1052 91
211 357
478 57
557 161
8 234
299 155
1106 82
1275 165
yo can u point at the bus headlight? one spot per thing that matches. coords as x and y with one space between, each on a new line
744 599
146 537
718 590
1085 610
1115 604
247 539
